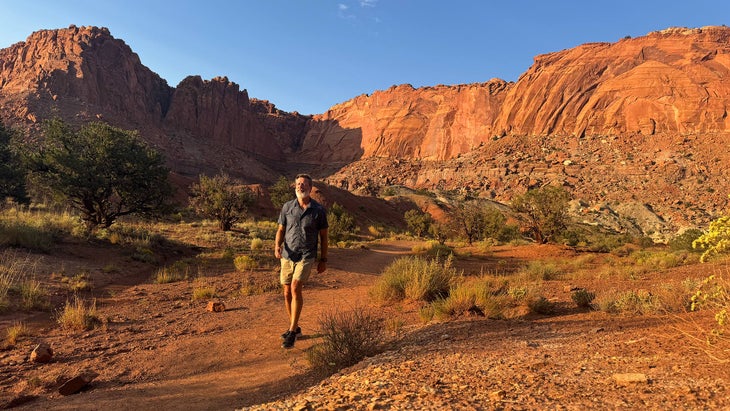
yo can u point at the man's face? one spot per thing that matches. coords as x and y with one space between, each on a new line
302 187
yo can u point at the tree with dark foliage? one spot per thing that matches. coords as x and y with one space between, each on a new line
103 171
222 198
12 173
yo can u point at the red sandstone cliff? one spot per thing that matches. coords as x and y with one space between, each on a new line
675 81
79 71
641 120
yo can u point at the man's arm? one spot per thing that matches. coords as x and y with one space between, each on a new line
322 265
279 241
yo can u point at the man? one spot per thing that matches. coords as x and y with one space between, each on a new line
302 224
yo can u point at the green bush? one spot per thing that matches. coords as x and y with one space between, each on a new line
419 223
683 242
221 198
716 240
544 212
583 298
341 224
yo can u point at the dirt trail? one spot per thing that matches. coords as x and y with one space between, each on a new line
161 351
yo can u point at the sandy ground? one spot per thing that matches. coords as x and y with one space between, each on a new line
159 349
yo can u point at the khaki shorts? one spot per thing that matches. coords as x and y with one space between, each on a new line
299 270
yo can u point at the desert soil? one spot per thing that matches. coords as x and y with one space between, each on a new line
159 349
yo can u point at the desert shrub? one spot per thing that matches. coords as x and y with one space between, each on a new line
78 315
661 259
433 249
541 270
414 278
341 223
583 298
418 222
79 282
347 338
683 242
244 263
203 291
543 211
221 198
34 295
477 220
716 240
257 244
632 302
540 305
478 297
713 294
509 233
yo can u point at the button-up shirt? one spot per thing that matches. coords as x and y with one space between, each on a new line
301 228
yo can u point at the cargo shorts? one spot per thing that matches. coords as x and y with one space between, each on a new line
295 270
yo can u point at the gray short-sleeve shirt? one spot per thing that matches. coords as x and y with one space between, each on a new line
301 229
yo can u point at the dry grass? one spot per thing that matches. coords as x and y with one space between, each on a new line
347 338
202 289
416 279
78 315
15 333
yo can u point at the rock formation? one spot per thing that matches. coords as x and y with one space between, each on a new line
640 121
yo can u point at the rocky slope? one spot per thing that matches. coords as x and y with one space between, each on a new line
639 124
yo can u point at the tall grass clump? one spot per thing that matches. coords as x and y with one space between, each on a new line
347 338
13 269
415 278
77 315
178 271
34 229
663 259
14 333
484 296
631 302
541 270
34 295
203 289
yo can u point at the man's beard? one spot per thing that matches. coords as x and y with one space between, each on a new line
302 194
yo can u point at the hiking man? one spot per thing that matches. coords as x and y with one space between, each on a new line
302 224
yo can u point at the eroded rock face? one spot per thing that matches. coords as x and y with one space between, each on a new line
673 81
640 121
670 82
402 122
82 71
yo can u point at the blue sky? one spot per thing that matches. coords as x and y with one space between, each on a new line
308 55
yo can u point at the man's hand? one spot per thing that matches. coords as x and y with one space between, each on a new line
277 251
321 266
